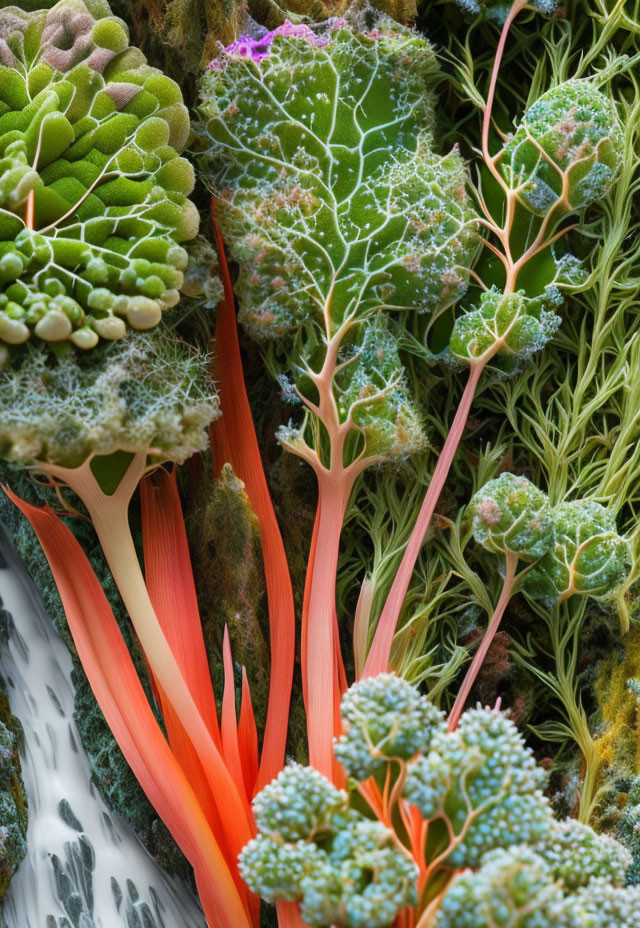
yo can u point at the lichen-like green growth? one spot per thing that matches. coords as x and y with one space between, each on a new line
13 802
587 558
482 778
335 207
93 194
149 392
384 717
511 326
511 515
568 149
343 869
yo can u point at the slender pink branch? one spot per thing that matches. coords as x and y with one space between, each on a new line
378 658
489 635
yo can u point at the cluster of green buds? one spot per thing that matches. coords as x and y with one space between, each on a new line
336 208
480 790
567 150
342 868
573 879
93 193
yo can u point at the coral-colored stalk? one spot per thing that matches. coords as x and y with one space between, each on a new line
115 684
319 658
489 635
378 657
233 440
109 515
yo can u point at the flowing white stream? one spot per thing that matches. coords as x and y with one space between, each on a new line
84 868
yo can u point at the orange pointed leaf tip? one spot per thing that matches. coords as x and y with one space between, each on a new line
118 691
234 441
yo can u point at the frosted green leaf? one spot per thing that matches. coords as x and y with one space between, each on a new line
567 149
588 557
91 133
336 207
512 516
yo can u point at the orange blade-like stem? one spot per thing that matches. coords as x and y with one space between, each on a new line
233 440
118 691
248 738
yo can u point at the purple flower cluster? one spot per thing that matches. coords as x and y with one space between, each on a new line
257 49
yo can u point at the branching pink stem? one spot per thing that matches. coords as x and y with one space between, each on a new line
489 635
378 657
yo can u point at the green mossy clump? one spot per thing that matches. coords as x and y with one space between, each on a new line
90 135
14 815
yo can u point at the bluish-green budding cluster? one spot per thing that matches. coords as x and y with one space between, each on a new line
498 10
299 804
384 718
509 327
93 132
588 556
512 516
342 869
567 150
481 777
514 887
578 854
542 886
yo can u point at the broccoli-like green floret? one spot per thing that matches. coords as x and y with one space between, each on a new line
299 804
343 869
511 515
576 854
601 905
364 882
481 777
520 888
587 558
513 888
568 149
384 717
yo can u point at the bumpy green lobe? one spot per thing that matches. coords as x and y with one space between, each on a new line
569 145
512 516
587 557
485 766
384 717
510 325
334 204
94 132
149 392
343 869
601 905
